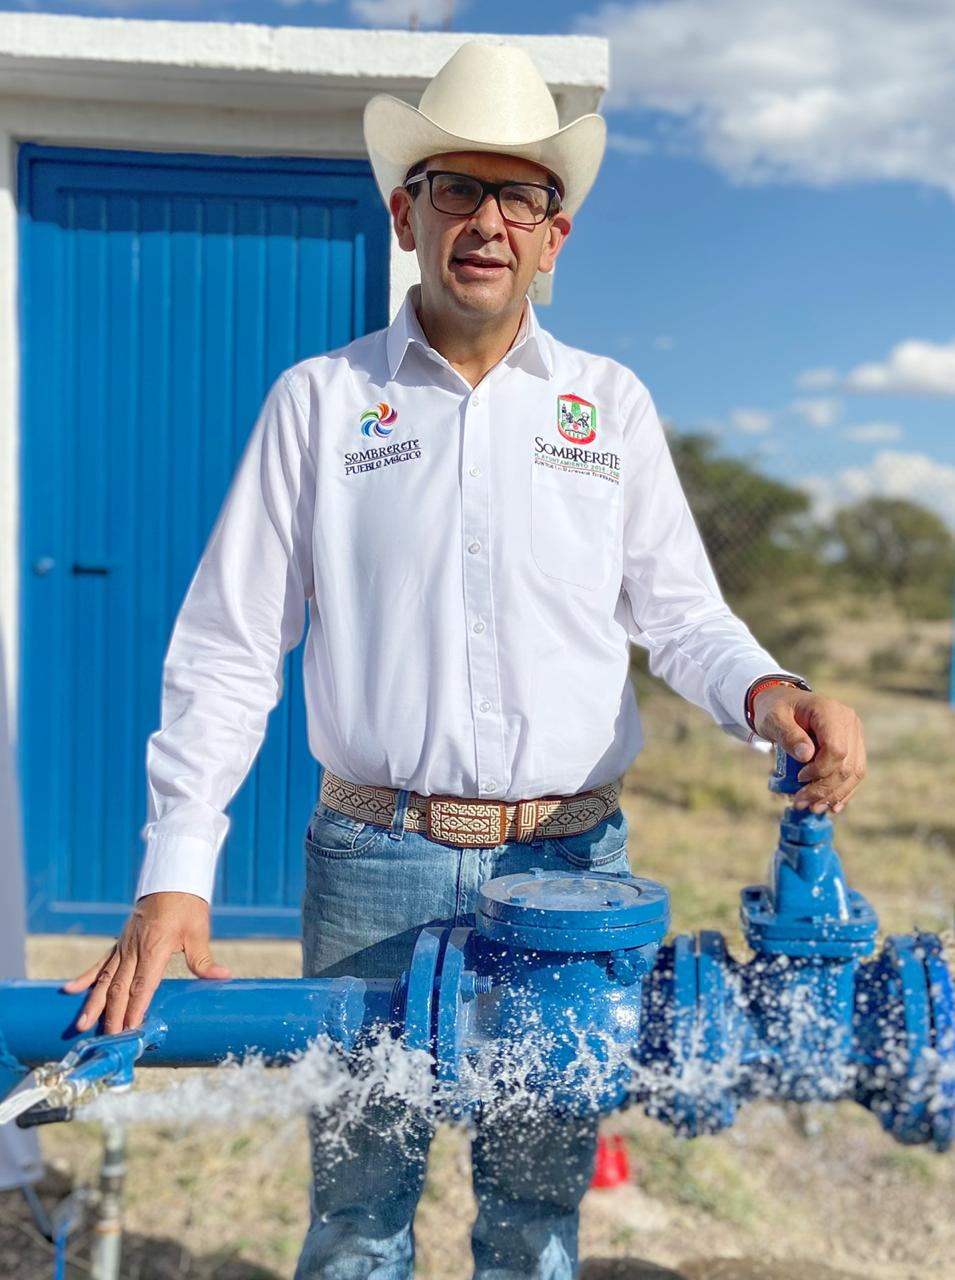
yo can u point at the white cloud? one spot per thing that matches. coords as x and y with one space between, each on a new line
815 91
752 422
874 433
817 379
891 474
819 411
628 144
663 342
404 13
913 367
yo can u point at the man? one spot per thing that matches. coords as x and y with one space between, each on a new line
480 519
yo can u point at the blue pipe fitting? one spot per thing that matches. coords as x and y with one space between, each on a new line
565 984
905 1029
694 1039
555 959
784 779
803 1018
566 956
553 912
808 908
719 1031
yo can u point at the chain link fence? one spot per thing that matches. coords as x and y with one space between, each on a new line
863 591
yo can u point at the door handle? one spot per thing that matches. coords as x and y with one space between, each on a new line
98 569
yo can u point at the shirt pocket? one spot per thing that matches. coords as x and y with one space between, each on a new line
573 526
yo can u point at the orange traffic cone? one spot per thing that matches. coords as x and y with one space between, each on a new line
613 1164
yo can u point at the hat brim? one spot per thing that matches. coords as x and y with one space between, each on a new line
398 136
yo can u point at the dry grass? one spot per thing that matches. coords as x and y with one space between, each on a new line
786 1195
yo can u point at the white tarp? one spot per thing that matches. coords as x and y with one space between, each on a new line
19 1150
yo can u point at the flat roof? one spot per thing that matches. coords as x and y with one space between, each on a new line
246 65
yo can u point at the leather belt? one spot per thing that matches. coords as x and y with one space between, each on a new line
477 824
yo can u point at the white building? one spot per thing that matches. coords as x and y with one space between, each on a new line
184 210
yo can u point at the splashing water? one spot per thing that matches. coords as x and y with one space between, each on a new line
693 1086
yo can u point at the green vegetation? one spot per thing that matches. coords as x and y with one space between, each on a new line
704 1173
752 526
898 546
766 546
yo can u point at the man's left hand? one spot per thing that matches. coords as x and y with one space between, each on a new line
824 733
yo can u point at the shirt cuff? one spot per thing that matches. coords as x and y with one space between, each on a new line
736 686
177 864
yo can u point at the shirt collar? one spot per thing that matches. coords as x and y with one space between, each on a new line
529 350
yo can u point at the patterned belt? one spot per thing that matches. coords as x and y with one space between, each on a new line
477 824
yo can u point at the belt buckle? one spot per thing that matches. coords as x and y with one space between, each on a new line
469 824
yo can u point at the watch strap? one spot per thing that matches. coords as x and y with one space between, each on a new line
766 682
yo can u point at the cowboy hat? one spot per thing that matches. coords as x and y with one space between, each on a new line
485 98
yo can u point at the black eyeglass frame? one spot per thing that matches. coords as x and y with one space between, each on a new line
488 188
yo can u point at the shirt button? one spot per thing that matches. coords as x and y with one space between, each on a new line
474 548
478 627
484 706
490 785
475 401
474 471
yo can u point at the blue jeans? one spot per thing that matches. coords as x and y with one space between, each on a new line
368 892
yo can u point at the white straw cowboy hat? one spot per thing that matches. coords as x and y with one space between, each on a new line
485 98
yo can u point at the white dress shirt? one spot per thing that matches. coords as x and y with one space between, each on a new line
474 562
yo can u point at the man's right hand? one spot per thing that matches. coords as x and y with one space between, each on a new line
124 981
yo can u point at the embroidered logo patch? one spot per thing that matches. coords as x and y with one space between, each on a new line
576 419
380 456
379 420
576 460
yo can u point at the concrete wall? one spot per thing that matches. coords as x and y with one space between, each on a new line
217 87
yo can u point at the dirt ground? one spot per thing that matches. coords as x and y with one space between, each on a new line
812 1193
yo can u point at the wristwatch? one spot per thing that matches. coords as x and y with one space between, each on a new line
766 682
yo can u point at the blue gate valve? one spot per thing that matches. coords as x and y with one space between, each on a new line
803 1018
565 976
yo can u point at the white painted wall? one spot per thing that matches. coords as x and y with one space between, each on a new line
20 1159
202 86
9 433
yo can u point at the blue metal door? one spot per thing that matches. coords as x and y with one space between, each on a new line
161 295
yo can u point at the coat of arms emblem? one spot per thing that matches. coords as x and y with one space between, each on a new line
576 419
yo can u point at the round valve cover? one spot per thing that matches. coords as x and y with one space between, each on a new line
567 911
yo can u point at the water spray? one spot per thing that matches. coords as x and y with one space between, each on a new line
565 986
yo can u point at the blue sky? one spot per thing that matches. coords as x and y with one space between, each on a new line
769 244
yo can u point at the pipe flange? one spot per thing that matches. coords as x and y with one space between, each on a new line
905 1028
573 912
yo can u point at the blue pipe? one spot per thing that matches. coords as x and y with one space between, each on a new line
60 1241
573 965
276 1017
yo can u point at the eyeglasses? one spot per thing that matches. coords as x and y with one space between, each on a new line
525 204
